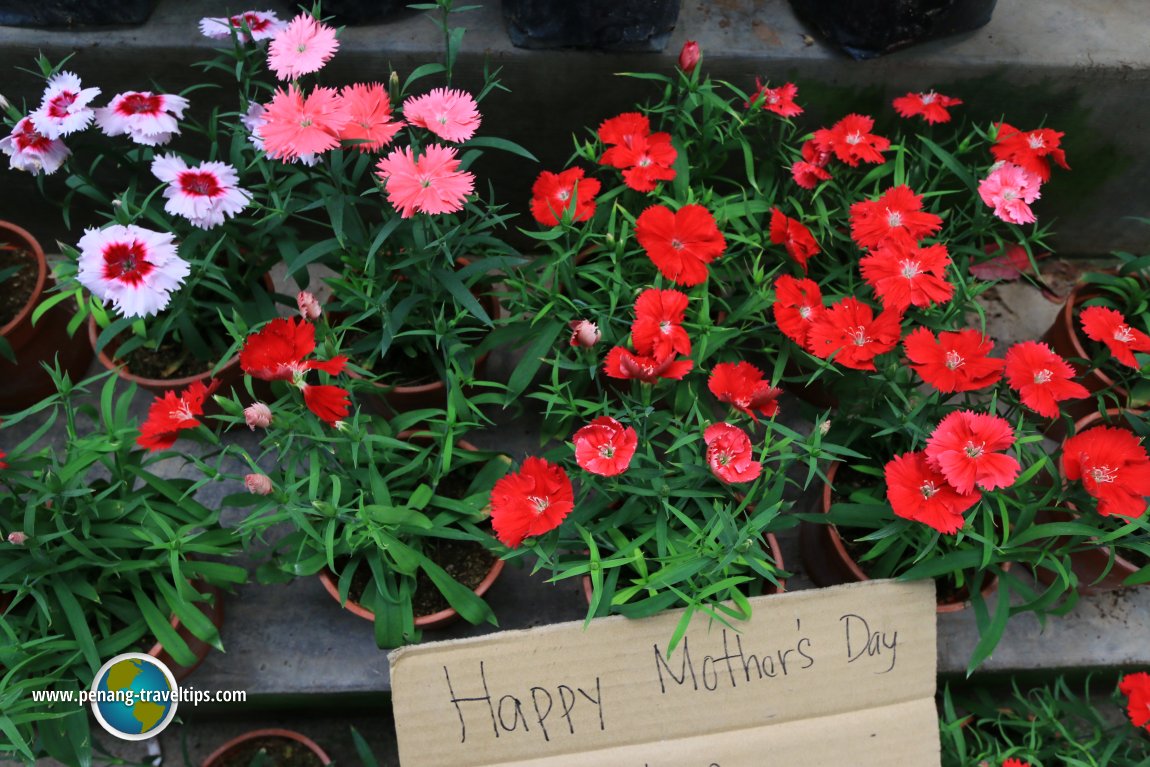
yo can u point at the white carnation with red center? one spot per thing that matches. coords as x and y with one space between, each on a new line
206 195
64 108
32 151
134 268
148 118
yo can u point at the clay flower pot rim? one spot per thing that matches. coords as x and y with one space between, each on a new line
1079 294
271 732
152 383
33 245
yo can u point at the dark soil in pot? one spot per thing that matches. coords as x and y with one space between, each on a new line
170 361
277 752
18 276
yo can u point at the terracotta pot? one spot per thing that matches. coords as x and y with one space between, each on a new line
225 751
214 610
25 381
828 563
776 554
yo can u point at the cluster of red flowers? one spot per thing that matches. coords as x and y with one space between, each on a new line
644 157
277 352
658 338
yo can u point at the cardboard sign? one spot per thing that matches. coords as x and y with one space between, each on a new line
844 675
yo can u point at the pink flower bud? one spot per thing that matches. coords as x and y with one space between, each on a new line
689 57
584 333
258 484
308 306
17 538
259 415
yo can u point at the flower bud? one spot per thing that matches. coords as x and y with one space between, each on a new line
393 83
258 414
308 306
689 57
584 333
17 538
258 484
825 427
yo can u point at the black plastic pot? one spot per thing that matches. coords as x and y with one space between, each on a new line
355 12
868 28
610 25
74 13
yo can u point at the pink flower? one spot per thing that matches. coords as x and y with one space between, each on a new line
605 446
729 454
308 305
258 484
17 538
255 120
206 195
369 112
247 26
134 268
584 333
64 108
431 184
148 118
301 48
1010 189
32 151
296 127
450 114
257 415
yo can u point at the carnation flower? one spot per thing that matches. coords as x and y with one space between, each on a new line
1136 688
895 217
206 195
1109 327
330 404
302 47
555 196
964 447
919 492
257 415
277 351
172 413
903 275
31 151
729 454
851 141
1033 150
742 386
530 502
431 184
247 27
134 268
258 484
779 100
308 306
931 107
680 243
798 303
644 157
1041 378
17 537
689 57
1010 189
369 122
625 364
1012 762
810 170
796 238
295 126
1113 467
147 118
850 332
64 108
254 121
605 446
584 333
658 326
450 114
955 361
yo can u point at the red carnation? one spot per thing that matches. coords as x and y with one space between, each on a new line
1012 762
556 195
170 414
929 106
920 493
276 353
797 239
964 447
955 361
644 157
1109 326
903 275
896 216
850 140
850 331
605 446
329 403
1041 378
622 363
742 385
658 327
1136 688
779 100
680 243
729 454
1113 467
531 502
798 303
1033 150
810 170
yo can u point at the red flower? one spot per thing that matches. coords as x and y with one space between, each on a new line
1012 762
799 241
798 303
329 403
532 502
277 352
742 385
904 274
850 140
3 455
622 363
1109 327
658 327
810 170
779 100
1136 688
919 492
955 361
930 106
556 195
1033 150
729 454
964 447
896 216
605 446
1041 378
1113 467
171 414
681 243
644 157
689 57
850 331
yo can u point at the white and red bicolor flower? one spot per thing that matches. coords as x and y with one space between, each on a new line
134 268
247 26
206 195
64 108
32 151
148 118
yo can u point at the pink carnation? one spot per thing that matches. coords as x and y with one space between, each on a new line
431 184
450 114
295 126
369 111
301 48
1010 189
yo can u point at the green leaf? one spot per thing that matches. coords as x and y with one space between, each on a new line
493 142
469 606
